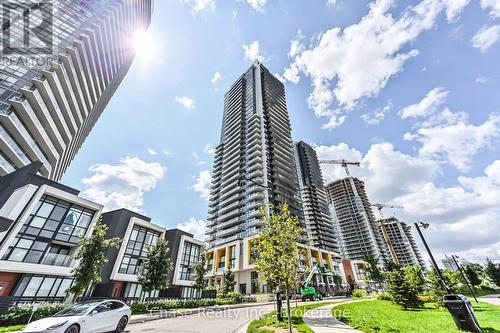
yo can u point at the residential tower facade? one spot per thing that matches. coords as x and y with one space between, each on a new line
358 231
319 223
49 106
254 163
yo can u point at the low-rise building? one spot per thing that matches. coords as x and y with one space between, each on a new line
42 222
119 274
239 256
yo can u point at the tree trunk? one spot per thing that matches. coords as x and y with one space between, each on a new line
279 306
290 329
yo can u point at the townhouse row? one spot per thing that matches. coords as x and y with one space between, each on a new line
41 222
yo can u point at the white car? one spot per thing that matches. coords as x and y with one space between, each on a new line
89 317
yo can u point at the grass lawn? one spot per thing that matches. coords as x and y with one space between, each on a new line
383 316
269 319
11 328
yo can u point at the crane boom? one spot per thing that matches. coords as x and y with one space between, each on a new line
314 270
343 163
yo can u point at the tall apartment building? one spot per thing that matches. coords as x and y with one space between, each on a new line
48 106
354 219
254 162
403 243
319 223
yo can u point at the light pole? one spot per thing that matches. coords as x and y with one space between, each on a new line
459 267
436 268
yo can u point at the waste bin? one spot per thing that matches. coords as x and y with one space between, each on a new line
461 311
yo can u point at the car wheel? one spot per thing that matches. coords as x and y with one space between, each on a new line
72 329
121 324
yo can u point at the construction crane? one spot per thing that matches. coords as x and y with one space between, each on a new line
392 252
343 163
382 206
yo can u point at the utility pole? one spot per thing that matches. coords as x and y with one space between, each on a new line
436 268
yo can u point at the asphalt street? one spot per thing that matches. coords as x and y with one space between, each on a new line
227 321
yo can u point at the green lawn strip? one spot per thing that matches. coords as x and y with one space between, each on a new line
11 328
383 316
297 313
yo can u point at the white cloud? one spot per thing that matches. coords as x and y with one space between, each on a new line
486 37
258 5
202 185
252 52
208 149
331 3
122 185
194 227
167 152
338 65
456 140
481 79
376 117
428 105
217 77
493 6
152 152
186 102
200 5
463 216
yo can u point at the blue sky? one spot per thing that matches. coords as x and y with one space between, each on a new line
410 88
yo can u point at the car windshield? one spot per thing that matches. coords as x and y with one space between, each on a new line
76 309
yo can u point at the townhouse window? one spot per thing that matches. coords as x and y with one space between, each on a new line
51 220
42 286
134 290
232 259
137 248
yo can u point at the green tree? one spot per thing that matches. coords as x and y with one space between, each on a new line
373 271
278 260
405 285
91 256
200 270
472 275
493 271
228 283
154 269
436 288
351 285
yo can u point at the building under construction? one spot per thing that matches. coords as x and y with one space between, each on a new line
356 226
402 242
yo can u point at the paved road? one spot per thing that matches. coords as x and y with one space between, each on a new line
226 321
492 299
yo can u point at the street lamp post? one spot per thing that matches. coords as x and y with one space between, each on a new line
436 268
459 267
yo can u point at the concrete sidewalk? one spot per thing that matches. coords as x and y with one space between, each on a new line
321 320
492 299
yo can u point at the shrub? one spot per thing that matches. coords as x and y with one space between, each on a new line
384 297
21 314
359 293
425 298
138 308
405 285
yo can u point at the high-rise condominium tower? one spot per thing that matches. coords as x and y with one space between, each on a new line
403 243
356 224
319 224
254 164
49 105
